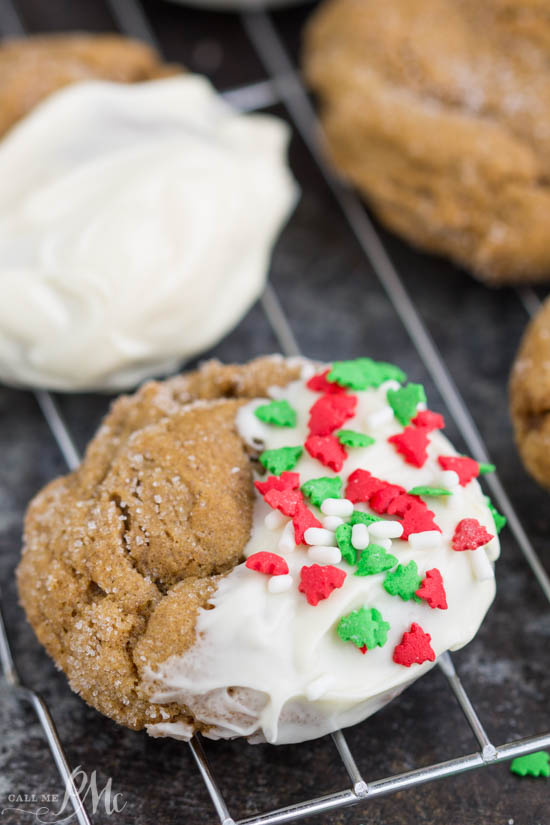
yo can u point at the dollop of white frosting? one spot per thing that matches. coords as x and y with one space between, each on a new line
136 225
268 665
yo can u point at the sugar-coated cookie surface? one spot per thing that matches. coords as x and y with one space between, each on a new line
438 111
179 595
530 396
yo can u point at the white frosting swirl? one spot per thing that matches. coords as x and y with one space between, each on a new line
269 666
136 224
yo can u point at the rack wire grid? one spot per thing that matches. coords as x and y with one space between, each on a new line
284 87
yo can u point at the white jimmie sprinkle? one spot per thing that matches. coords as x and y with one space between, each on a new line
274 520
332 522
337 507
360 536
426 539
386 529
318 535
279 584
287 543
324 555
483 569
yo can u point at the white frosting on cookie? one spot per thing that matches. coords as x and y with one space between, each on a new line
269 666
136 225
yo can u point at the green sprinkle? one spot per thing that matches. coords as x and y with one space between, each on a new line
499 519
364 372
485 468
364 628
429 491
375 560
278 413
534 764
318 489
405 400
358 517
351 438
281 460
404 581
343 540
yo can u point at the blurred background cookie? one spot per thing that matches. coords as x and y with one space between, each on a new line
34 67
530 396
136 218
438 111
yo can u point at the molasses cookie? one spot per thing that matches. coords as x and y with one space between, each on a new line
530 396
272 551
438 111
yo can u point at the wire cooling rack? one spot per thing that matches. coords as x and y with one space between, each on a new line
284 87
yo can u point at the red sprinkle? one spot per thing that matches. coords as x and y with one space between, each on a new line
286 481
362 486
302 519
412 443
429 419
414 647
286 501
465 468
318 581
328 450
320 383
331 411
363 649
469 535
383 498
432 589
269 563
416 518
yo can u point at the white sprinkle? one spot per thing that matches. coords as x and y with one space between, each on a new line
332 522
360 536
318 535
324 555
386 529
274 520
157 499
378 418
92 525
427 539
483 569
235 470
492 549
279 584
385 543
337 507
286 542
318 688
449 479
390 384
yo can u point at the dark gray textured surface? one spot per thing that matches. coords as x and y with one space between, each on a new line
337 309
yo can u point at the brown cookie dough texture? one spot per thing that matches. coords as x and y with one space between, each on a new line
33 68
439 112
119 555
530 396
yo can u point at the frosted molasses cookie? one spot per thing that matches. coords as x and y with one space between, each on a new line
272 551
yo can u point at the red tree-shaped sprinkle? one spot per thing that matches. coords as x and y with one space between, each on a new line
414 648
432 590
470 534
465 468
286 481
318 581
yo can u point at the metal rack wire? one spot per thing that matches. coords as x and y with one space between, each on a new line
284 86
